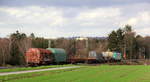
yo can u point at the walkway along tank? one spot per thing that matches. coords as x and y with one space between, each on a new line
59 55
36 56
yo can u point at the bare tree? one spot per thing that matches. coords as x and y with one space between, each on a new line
4 50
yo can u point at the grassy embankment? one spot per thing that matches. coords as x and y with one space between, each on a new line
103 73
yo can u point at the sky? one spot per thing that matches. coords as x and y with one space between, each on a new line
69 18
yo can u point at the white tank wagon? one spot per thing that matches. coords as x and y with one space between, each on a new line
112 55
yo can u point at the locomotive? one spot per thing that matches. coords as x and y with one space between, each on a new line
39 56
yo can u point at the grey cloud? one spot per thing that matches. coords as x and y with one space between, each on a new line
70 3
61 19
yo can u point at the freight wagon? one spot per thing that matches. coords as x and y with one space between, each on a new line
92 57
59 55
36 56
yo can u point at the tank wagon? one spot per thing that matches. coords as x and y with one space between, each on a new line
36 56
114 56
59 55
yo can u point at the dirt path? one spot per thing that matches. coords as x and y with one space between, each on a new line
39 70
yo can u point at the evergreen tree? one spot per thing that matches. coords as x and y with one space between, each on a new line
16 52
120 40
40 42
112 41
32 35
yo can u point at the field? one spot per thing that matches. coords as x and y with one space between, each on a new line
102 73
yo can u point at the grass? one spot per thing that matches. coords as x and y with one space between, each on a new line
31 68
103 73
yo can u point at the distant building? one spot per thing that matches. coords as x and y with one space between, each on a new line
81 38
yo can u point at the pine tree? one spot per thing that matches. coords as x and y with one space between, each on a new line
112 41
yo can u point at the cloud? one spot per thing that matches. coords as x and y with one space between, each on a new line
32 19
97 16
98 13
54 21
35 14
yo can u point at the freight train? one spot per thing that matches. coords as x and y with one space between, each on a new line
38 56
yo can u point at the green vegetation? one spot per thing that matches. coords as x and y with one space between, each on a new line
103 73
31 68
127 42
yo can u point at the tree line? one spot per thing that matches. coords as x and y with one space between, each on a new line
132 46
123 40
13 48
